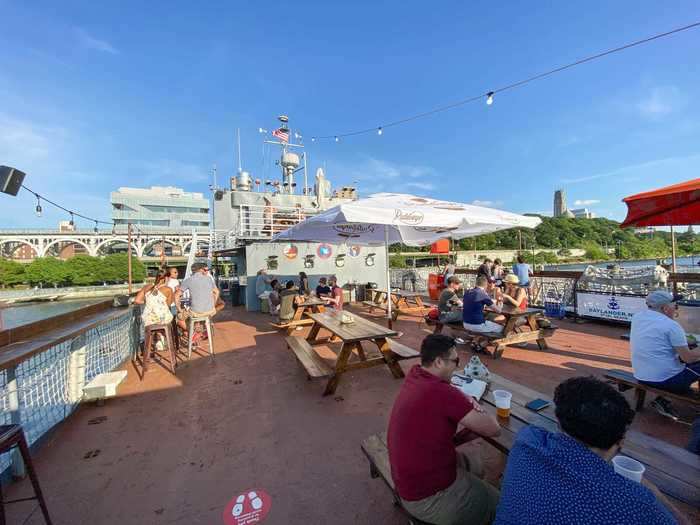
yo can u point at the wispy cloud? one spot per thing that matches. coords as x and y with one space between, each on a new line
585 202
661 101
635 170
23 139
487 204
376 175
92 42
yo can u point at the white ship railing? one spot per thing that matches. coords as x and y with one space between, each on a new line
262 222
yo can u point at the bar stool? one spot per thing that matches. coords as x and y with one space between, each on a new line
149 332
207 324
13 436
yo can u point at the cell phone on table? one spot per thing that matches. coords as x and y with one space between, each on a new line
538 404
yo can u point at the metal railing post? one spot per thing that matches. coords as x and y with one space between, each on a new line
76 369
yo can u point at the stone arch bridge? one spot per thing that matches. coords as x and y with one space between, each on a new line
27 244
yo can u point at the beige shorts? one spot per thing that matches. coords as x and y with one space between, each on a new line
469 500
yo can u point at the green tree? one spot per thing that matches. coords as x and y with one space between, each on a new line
11 272
47 270
114 268
84 270
594 251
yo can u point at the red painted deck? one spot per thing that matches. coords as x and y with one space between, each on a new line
175 450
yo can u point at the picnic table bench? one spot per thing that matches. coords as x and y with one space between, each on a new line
388 352
310 304
403 302
625 380
674 470
511 331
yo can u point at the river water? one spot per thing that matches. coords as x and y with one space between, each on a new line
17 315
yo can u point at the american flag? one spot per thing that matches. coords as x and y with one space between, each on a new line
282 134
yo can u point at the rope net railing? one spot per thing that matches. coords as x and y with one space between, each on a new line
45 389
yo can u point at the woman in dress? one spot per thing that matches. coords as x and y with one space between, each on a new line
157 299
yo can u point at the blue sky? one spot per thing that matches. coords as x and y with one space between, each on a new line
96 95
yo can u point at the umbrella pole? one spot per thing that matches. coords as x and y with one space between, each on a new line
388 277
673 250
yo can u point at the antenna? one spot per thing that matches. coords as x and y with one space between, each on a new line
238 136
214 172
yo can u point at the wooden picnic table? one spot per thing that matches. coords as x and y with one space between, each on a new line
352 335
402 301
674 470
311 304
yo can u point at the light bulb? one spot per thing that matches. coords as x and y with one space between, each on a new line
337 139
38 210
313 139
489 98
380 130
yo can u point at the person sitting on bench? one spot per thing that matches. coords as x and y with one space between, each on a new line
274 297
566 477
335 298
449 305
473 309
289 298
658 345
513 295
323 289
436 482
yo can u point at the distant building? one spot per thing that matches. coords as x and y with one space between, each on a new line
559 203
582 213
160 208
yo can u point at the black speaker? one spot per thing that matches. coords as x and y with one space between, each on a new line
10 180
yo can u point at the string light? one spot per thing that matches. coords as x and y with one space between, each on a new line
379 130
490 94
313 139
38 210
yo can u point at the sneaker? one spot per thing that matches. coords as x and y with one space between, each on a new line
460 341
665 408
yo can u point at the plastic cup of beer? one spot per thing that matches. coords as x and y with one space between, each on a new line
629 468
503 398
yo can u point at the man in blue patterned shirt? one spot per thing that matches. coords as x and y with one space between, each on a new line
566 477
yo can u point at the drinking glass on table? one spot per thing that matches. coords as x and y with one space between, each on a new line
503 399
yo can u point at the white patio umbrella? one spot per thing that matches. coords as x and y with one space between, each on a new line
387 218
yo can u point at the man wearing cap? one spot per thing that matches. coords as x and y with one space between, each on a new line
203 295
449 304
660 354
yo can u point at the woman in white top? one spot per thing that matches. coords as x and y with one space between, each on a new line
157 298
173 282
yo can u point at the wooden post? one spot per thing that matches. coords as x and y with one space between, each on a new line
128 252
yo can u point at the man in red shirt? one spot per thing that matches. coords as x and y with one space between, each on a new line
433 479
336 297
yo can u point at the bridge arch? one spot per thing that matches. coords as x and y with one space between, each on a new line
149 245
201 243
70 240
18 242
118 240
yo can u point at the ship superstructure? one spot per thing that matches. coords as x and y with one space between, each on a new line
251 209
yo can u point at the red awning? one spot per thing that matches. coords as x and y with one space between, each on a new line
670 206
